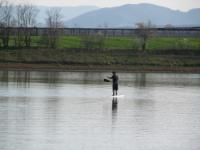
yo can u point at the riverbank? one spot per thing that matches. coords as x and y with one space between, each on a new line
102 68
170 60
117 57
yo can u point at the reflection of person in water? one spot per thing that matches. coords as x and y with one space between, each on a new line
114 103
114 83
114 113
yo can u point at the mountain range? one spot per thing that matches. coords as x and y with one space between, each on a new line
130 14
67 12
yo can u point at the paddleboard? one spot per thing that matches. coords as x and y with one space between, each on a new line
118 96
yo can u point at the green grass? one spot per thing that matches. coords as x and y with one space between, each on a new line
173 43
155 43
161 51
70 42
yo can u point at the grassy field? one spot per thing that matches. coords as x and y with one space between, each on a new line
155 43
116 51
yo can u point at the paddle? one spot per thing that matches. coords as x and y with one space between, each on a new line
106 80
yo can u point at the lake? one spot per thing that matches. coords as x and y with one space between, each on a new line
75 111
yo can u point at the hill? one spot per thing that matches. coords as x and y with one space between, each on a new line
67 12
130 14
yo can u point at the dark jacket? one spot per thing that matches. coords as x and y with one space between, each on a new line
115 82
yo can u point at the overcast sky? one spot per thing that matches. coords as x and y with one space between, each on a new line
183 5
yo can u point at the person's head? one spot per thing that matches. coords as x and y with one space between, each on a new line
113 72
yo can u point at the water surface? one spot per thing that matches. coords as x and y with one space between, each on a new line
75 111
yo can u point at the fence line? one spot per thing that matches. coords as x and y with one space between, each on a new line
159 32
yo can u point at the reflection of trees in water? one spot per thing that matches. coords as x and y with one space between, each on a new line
4 77
85 77
49 77
89 77
27 77
140 80
52 77
72 77
22 78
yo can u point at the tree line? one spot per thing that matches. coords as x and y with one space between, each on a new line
24 16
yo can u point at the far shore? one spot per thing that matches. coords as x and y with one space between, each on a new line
97 68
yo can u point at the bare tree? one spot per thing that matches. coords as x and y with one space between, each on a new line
168 26
29 21
99 40
19 24
1 11
26 18
144 32
95 41
6 17
1 3
54 24
87 41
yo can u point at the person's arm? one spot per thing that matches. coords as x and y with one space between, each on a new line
109 77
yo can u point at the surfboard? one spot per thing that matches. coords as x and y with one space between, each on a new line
118 96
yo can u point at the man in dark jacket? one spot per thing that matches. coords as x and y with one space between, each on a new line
114 83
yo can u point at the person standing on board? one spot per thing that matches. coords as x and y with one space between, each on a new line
114 83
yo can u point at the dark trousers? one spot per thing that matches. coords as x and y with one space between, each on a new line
115 88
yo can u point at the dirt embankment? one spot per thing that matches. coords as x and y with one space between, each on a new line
78 67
